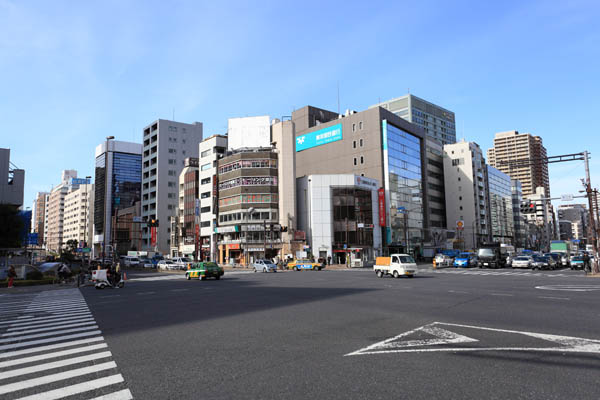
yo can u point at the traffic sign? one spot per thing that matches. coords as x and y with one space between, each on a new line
566 197
138 219
460 224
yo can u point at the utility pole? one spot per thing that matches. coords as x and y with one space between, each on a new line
588 189
406 231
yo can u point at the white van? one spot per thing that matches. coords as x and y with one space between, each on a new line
396 265
129 261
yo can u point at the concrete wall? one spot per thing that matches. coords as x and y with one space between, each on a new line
11 187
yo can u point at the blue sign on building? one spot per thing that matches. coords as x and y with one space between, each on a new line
80 181
317 138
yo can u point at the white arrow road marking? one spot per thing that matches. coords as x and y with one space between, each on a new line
568 344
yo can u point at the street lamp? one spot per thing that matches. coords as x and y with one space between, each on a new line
105 197
248 212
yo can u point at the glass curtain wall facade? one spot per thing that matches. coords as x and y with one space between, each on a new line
501 206
352 218
99 193
404 188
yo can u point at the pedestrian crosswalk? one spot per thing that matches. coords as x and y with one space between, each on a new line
485 272
52 348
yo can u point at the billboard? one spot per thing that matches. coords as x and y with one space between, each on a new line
317 138
248 132
80 181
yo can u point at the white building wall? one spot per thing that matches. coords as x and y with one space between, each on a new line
248 132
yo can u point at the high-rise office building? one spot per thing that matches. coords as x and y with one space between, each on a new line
438 123
467 195
38 215
511 146
184 237
117 186
502 222
578 215
166 146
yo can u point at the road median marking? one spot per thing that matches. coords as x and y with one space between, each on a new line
444 337
570 288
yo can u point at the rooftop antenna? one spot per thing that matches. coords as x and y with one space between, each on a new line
338 98
173 113
408 90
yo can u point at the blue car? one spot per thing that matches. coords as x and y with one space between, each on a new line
577 262
462 260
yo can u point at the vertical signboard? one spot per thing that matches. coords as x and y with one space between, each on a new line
153 236
386 180
381 194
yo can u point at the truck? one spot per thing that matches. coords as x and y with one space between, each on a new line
562 247
492 255
395 265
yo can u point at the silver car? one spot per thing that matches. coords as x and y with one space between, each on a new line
264 266
522 262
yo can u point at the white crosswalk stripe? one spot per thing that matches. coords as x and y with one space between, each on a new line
500 273
51 348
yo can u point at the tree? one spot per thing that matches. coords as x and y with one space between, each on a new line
72 246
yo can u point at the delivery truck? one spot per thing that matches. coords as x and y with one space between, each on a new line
396 265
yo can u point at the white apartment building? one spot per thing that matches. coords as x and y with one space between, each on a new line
55 207
467 197
211 150
542 222
78 215
166 146
184 224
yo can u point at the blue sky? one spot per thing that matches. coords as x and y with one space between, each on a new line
72 73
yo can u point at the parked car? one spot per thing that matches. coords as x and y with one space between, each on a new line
543 262
167 265
462 260
182 263
203 270
442 260
264 266
522 262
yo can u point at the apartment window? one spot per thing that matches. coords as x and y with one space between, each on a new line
460 188
171 195
459 178
205 153
354 144
205 181
361 141
362 160
460 208
460 198
206 166
353 127
171 184
360 126
172 151
172 172
172 161
205 195
205 209
354 160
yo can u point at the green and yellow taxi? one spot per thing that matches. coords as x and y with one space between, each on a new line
299 265
204 269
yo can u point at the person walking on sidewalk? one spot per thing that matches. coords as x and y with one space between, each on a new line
12 274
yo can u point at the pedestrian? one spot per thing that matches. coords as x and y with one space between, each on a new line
12 274
328 260
586 262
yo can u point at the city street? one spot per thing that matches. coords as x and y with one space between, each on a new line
337 334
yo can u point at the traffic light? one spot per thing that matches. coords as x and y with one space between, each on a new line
153 223
528 207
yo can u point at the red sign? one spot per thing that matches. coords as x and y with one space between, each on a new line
381 194
153 236
299 235
235 246
197 231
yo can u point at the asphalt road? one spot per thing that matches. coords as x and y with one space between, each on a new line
468 334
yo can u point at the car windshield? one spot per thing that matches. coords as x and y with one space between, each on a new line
485 253
407 259
268 262
522 259
464 255
540 258
577 258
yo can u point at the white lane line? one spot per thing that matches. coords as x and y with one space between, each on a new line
54 310
114 295
13 387
49 340
458 291
52 347
179 290
55 364
78 388
56 354
124 394
502 294
144 293
45 308
554 298
55 333
52 328
31 321
49 323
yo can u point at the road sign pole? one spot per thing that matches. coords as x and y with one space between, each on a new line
594 233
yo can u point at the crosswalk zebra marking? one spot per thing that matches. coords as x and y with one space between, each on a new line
52 340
